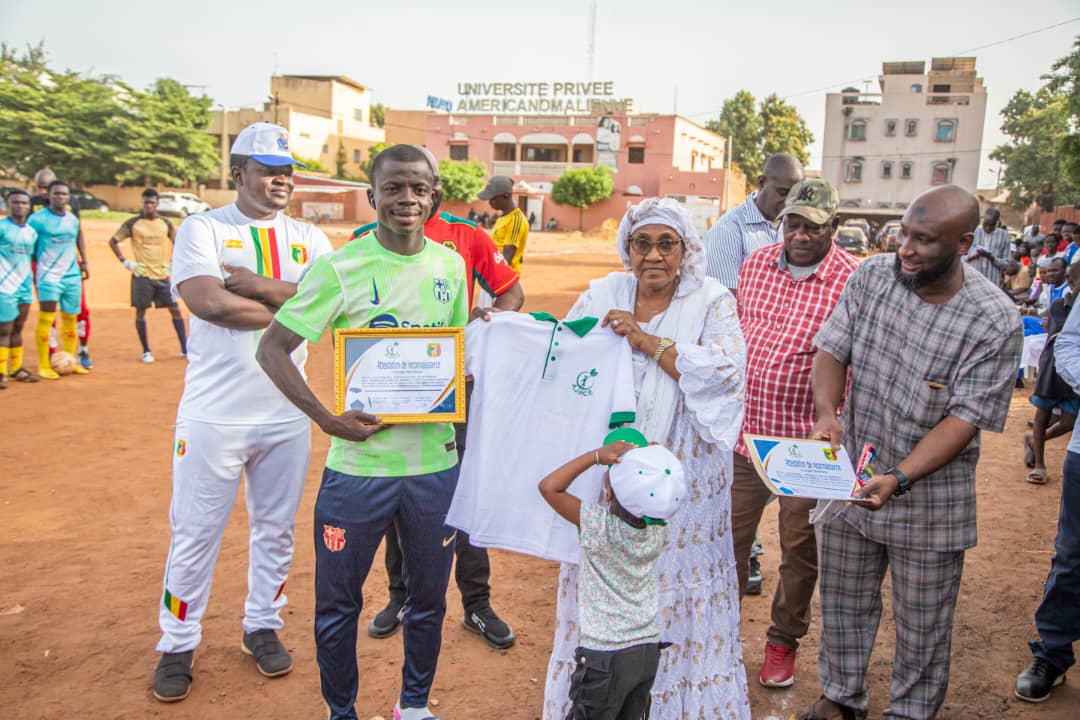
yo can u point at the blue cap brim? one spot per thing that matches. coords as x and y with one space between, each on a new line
275 161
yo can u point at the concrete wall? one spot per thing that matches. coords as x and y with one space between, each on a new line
129 199
406 127
897 102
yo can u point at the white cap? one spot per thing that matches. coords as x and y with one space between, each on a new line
266 143
649 482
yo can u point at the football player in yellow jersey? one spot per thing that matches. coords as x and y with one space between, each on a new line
511 230
149 270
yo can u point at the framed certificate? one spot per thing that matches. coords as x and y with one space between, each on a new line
793 467
402 375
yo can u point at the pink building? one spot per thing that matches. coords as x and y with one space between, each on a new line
650 155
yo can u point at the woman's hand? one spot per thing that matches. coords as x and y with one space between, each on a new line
623 323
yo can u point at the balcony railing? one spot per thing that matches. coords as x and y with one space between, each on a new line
948 99
533 167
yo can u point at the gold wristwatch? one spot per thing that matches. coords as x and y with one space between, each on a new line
662 347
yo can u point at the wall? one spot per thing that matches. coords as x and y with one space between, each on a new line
406 127
897 102
129 199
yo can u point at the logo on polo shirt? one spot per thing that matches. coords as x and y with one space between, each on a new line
583 385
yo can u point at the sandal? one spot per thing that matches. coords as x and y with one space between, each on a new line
1038 476
846 713
3 381
1029 452
24 375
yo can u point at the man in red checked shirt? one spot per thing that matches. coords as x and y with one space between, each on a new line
786 291
485 264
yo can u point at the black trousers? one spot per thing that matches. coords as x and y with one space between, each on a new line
472 570
613 684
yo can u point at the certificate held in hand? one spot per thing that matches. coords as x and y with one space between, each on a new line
401 375
802 468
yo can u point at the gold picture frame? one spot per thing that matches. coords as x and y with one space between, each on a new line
351 345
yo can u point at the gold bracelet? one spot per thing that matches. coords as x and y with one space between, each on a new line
597 454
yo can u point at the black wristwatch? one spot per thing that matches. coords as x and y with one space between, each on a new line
905 484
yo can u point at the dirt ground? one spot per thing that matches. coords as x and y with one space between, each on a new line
84 531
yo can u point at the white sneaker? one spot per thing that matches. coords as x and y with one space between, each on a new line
148 357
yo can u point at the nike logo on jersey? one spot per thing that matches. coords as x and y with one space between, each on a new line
446 542
374 292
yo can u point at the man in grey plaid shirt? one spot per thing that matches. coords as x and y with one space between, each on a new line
932 347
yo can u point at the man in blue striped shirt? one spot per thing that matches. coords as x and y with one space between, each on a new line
752 225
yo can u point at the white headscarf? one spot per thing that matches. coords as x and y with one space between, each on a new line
666 211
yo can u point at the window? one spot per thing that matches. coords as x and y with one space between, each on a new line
890 128
942 172
857 130
911 128
636 155
901 206
358 114
905 170
325 149
946 131
459 151
916 88
356 156
886 169
854 171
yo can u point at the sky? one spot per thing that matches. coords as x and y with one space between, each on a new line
681 55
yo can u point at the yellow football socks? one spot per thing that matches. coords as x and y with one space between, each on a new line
69 332
3 360
15 360
41 340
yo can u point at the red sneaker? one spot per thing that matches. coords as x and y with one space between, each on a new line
778 670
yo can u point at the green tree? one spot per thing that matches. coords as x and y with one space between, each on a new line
784 130
1065 80
583 187
758 132
462 180
372 151
312 164
170 145
377 115
740 121
1037 125
339 161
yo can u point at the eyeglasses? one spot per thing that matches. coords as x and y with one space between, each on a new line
643 246
792 224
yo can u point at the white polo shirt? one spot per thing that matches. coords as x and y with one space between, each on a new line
545 392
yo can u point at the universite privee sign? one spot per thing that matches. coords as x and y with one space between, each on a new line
562 98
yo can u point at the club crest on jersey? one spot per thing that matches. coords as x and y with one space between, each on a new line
583 385
442 290
333 538
234 244
299 254
181 448
450 244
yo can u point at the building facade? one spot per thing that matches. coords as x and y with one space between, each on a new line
922 129
649 155
322 114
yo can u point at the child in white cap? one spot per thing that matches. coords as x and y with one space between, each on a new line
620 543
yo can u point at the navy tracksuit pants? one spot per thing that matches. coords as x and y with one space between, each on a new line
352 514
1058 617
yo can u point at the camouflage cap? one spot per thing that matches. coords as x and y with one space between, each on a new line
815 199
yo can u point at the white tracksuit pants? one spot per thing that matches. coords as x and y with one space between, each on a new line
208 460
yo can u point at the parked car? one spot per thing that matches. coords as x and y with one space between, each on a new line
86 201
852 239
886 239
859 223
180 204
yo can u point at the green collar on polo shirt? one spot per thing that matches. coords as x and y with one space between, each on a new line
579 327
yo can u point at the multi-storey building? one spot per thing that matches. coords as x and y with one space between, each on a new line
922 129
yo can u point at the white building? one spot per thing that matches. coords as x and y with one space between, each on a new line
923 129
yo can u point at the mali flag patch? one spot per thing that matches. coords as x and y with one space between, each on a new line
299 254
175 605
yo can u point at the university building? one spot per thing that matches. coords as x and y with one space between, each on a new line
921 129
649 155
